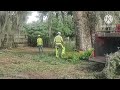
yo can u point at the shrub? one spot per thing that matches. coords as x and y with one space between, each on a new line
86 54
75 57
69 46
71 57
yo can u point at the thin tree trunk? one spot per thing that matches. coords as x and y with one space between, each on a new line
49 28
10 23
62 12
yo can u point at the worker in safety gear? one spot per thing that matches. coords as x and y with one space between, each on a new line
58 40
40 43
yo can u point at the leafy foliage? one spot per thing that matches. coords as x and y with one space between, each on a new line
86 54
75 57
35 29
42 28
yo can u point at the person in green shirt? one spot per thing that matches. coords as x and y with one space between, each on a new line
58 40
40 43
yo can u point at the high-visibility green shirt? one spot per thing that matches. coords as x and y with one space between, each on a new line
39 41
58 39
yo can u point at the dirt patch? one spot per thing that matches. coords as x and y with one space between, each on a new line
24 63
31 75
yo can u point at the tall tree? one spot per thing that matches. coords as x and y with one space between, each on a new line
83 36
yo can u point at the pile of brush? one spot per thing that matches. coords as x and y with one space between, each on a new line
112 67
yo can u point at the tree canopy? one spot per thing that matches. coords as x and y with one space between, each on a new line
48 28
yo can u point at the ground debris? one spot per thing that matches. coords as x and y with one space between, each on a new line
112 67
26 63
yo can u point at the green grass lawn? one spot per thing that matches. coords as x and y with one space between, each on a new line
27 63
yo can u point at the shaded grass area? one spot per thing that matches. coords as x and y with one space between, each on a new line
29 64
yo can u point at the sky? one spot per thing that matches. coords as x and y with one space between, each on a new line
33 17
